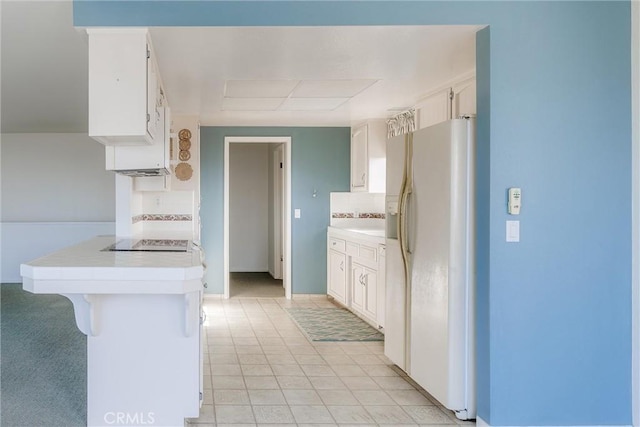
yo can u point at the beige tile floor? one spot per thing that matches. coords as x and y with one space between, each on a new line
260 370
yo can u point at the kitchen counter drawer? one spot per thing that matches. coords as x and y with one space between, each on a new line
337 244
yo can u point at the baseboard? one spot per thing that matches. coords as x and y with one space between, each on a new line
293 296
308 296
482 423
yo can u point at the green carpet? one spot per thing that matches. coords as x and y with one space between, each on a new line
333 324
43 366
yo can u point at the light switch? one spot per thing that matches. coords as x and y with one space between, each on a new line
513 231
296 213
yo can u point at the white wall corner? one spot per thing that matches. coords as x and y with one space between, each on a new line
481 423
124 205
635 209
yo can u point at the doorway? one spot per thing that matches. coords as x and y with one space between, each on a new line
257 245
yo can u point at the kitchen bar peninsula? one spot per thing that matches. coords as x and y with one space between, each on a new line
141 312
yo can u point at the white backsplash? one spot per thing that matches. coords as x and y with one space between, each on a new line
167 202
357 210
164 214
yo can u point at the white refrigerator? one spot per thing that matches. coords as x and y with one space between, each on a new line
430 315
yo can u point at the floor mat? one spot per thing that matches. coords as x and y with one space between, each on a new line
333 324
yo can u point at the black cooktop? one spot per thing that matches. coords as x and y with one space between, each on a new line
150 245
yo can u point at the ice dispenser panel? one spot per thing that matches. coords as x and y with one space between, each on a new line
391 217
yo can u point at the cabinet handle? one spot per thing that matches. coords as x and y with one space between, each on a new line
363 175
341 265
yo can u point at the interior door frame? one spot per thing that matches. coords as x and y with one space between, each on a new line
278 214
286 140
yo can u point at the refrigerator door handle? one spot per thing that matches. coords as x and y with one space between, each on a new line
409 222
405 194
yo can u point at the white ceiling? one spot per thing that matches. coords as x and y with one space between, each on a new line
256 76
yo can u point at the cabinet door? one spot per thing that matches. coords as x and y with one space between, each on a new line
464 100
123 86
370 279
357 287
359 159
338 276
382 288
143 156
435 109
152 95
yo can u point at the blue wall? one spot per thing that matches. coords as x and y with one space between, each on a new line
320 161
554 117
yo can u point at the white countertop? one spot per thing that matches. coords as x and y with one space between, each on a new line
85 268
372 234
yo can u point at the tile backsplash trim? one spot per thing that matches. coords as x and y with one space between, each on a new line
161 217
373 215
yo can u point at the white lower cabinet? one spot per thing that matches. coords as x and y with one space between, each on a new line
337 275
357 287
382 283
364 289
370 286
355 276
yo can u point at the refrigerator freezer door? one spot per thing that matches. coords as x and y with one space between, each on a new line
395 340
439 333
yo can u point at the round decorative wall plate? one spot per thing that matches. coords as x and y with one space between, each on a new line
184 144
184 155
184 134
184 171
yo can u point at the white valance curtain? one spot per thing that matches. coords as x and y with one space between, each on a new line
402 123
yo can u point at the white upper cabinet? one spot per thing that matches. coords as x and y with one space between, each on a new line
464 99
154 158
434 109
368 156
124 85
446 104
